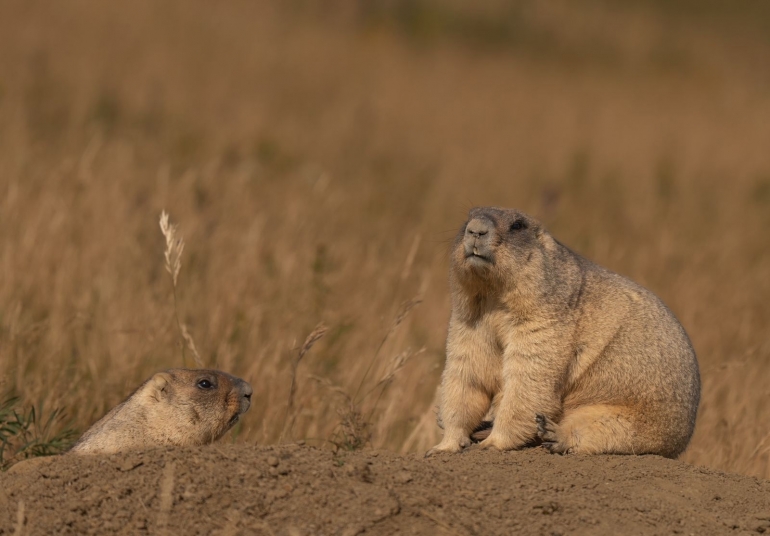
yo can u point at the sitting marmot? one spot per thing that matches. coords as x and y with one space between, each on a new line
564 352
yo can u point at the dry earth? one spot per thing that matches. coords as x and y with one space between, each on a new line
297 489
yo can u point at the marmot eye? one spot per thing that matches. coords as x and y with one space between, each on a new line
518 225
205 384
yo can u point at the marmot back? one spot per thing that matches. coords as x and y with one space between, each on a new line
182 407
561 351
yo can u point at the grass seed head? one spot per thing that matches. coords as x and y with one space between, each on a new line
174 247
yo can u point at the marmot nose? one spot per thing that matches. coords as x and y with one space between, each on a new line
478 227
247 391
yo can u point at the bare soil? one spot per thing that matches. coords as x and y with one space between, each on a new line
298 489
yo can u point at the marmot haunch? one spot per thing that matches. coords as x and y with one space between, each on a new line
559 350
182 407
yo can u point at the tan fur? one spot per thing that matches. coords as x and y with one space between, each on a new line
174 407
558 350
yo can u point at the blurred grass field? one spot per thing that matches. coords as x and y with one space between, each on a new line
319 157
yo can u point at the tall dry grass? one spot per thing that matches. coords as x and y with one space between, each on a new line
319 159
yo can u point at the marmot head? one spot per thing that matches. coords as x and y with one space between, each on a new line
499 248
195 406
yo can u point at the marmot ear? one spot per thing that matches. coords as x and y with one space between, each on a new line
545 238
158 384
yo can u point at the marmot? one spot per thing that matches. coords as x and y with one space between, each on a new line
561 351
182 407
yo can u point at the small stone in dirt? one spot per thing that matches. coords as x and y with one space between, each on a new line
360 470
352 530
129 465
548 508
402 477
760 523
30 463
272 461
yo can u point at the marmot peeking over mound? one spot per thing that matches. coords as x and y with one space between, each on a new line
182 407
561 351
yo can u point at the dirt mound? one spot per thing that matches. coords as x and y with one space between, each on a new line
294 489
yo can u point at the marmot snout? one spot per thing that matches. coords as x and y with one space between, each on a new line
494 244
558 350
183 407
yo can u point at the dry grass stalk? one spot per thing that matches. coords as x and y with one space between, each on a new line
398 362
404 310
173 254
191 345
318 332
354 428
326 383
20 517
410 257
353 431
166 495
437 521
425 434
